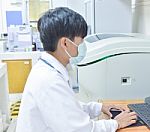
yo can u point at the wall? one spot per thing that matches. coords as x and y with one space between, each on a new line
37 8
141 16
76 5
141 13
1 23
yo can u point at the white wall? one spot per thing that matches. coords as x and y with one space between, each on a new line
141 12
141 16
76 5
1 23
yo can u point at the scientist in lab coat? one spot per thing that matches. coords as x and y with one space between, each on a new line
48 102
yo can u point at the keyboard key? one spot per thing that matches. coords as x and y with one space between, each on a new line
143 111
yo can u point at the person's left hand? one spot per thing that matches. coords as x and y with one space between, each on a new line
106 109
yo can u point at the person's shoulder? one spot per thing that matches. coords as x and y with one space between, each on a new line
41 69
40 78
41 74
44 74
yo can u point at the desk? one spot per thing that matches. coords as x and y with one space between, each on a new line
124 104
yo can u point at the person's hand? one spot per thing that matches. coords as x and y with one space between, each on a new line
106 109
125 119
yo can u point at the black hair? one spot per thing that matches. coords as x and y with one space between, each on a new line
60 22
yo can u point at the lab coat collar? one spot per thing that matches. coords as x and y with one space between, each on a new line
56 64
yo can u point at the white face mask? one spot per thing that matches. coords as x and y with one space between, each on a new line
81 53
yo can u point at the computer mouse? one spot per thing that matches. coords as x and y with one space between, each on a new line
114 112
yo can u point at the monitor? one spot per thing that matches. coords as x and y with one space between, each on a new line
14 18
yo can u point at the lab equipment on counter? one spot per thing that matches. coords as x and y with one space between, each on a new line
3 46
19 38
37 41
116 66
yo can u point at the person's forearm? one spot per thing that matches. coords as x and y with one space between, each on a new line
105 126
92 108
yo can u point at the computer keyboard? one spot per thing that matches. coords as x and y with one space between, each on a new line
142 110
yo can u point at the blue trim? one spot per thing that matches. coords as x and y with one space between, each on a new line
50 65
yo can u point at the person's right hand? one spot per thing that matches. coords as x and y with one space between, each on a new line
125 119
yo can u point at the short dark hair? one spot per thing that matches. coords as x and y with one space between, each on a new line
60 22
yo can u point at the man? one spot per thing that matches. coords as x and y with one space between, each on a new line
49 103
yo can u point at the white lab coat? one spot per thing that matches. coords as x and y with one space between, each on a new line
49 103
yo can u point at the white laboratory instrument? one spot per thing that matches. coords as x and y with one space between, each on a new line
117 66
3 46
19 38
37 41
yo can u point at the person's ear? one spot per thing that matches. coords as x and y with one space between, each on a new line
63 43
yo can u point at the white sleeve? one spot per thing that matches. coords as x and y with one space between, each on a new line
92 108
61 112
105 126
